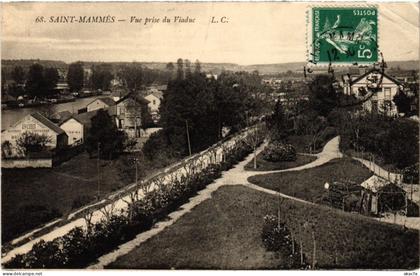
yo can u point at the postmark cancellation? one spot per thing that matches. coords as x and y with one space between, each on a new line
342 35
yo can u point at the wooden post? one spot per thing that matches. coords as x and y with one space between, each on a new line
278 213
188 137
412 182
98 171
314 250
293 242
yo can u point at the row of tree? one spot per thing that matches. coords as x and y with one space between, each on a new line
38 81
196 111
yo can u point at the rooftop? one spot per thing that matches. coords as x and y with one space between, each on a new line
47 123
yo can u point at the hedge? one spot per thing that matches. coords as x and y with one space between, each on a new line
80 246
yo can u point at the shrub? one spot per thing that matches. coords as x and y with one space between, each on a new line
277 237
277 151
80 247
33 142
411 174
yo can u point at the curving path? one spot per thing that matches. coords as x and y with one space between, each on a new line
379 171
235 176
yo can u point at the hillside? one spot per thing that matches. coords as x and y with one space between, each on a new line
215 68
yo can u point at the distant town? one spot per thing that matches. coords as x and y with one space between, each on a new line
103 151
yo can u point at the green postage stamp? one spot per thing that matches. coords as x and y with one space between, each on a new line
343 35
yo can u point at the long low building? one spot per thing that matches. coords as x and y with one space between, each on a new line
37 124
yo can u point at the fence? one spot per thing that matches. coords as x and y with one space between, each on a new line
120 202
369 161
27 163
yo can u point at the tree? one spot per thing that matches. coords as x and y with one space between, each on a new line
47 110
18 75
402 101
277 123
253 139
75 76
33 142
322 97
146 119
41 82
6 149
101 77
180 69
209 106
197 67
36 82
131 76
188 71
104 137
3 81
51 78
170 66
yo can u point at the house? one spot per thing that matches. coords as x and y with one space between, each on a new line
380 195
128 113
384 86
100 103
74 129
154 99
34 123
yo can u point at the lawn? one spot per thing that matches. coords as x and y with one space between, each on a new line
309 184
224 232
263 165
301 142
31 197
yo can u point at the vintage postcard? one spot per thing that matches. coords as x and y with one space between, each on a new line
209 135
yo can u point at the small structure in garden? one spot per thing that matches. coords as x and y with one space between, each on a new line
344 195
379 195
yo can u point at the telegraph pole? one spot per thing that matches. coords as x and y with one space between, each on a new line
97 166
135 160
188 137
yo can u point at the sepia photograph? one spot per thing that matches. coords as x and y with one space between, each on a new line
210 136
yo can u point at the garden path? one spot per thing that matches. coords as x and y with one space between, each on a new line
379 171
236 175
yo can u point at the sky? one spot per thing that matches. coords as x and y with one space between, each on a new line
256 33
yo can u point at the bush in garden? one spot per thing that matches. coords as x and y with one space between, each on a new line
411 174
276 237
277 151
77 246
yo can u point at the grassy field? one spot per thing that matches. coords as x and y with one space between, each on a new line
224 232
309 184
263 165
25 192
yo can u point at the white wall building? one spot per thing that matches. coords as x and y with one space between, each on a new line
74 130
155 98
38 124
385 87
100 103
